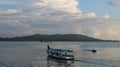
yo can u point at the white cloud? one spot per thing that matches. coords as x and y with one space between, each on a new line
114 2
12 11
106 16
8 11
69 6
41 3
91 14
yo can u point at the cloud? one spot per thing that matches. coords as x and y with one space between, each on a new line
11 25
77 30
8 2
13 28
106 16
59 5
8 11
55 17
114 3
106 29
91 14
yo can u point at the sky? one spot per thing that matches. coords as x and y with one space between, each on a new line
95 18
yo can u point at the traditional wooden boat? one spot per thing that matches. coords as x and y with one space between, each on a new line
60 53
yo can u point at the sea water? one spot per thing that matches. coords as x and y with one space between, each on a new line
33 54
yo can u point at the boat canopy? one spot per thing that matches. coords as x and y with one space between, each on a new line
61 50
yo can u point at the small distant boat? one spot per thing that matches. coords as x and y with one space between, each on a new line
93 50
60 53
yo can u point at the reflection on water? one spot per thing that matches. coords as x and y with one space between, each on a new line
52 62
33 54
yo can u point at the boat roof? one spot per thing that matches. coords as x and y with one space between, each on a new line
61 50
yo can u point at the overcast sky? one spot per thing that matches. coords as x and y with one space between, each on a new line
96 18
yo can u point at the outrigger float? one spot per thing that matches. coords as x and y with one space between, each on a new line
60 53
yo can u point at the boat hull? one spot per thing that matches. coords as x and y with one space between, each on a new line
61 57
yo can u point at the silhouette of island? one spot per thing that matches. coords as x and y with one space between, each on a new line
55 37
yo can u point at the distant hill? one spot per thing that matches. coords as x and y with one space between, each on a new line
55 37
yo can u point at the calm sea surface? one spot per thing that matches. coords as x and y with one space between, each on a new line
33 54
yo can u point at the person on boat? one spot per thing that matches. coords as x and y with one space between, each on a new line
93 50
48 47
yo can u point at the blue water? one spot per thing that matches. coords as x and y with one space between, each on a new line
33 54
